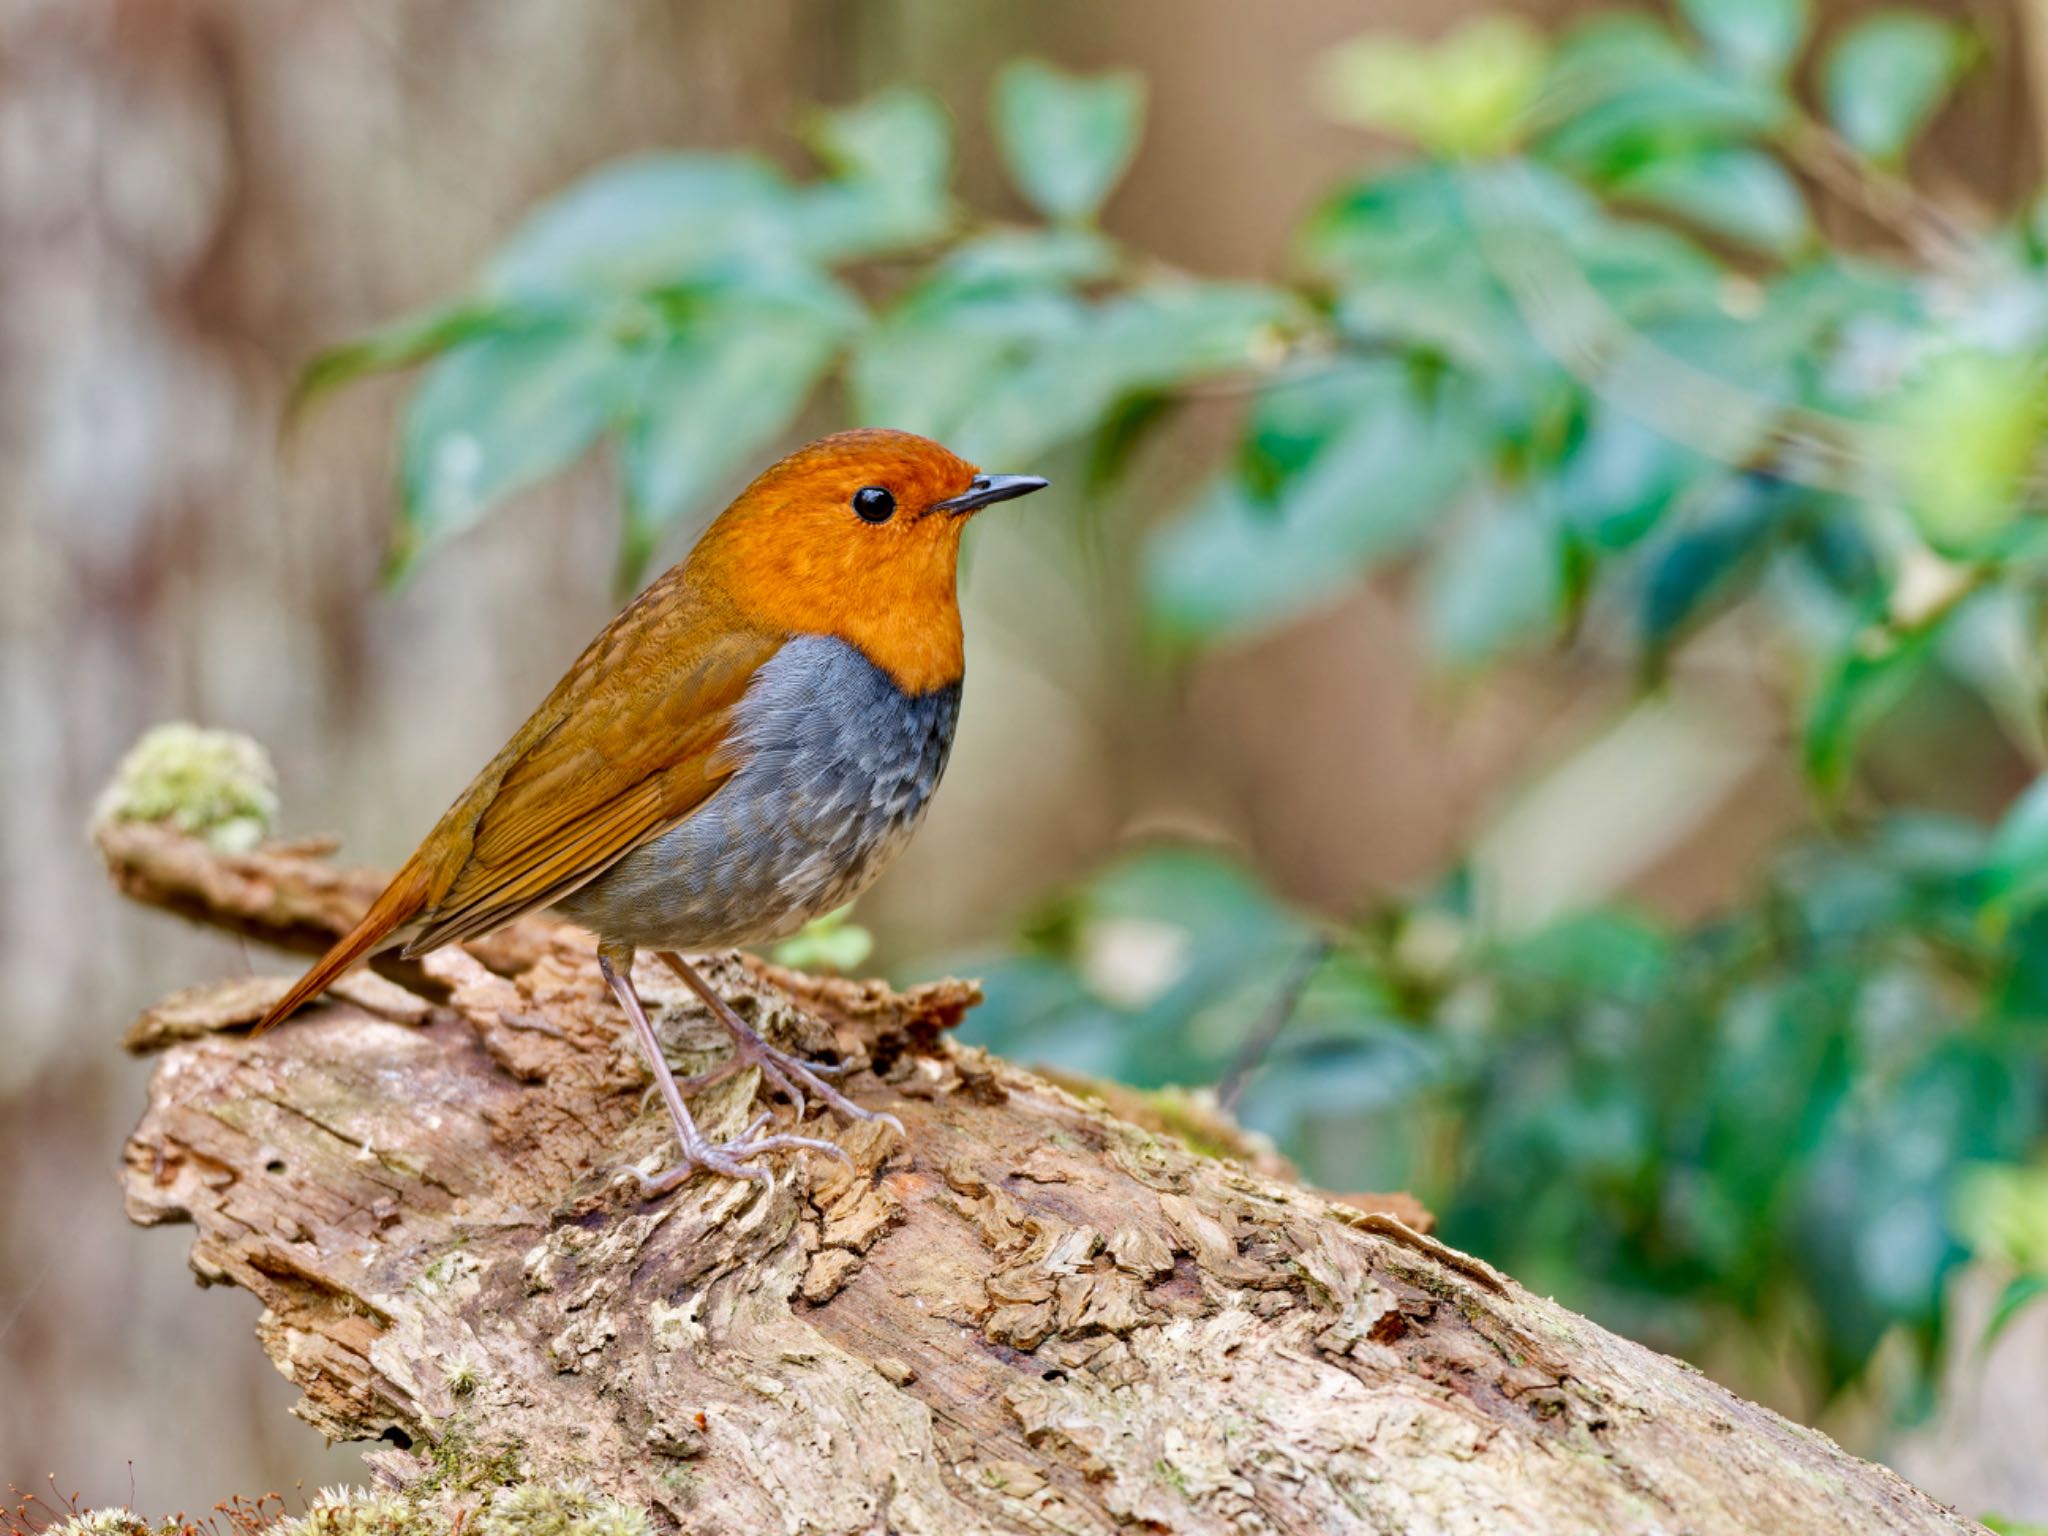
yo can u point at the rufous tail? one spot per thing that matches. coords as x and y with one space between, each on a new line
401 902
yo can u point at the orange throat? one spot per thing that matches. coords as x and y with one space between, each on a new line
895 601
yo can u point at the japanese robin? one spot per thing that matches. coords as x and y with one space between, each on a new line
746 746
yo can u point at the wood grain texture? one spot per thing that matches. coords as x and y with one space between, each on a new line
1031 1316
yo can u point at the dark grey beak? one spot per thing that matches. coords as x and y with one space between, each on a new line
987 490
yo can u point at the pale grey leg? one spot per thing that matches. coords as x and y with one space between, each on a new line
730 1158
791 1074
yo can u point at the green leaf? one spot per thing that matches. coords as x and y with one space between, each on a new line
2001 1210
1234 562
900 137
1622 477
891 157
1886 1161
1151 973
2020 1292
1067 139
660 220
1494 583
1003 371
1620 954
646 223
1623 91
1172 933
832 943
716 394
2016 870
1866 682
1412 270
1148 340
1227 564
1970 426
1757 37
1018 258
401 344
499 414
1293 424
939 352
1467 95
1694 568
1743 194
1168 332
1888 75
1347 1077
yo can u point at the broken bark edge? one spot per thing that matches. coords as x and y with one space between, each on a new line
1028 1315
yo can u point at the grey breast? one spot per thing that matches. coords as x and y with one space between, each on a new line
837 764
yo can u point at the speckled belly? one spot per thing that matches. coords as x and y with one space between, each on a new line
837 767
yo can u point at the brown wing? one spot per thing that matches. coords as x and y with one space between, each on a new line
629 742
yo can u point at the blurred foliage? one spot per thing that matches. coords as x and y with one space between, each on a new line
1651 335
833 943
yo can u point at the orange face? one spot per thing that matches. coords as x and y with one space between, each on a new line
858 536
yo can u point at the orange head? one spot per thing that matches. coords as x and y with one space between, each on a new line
858 536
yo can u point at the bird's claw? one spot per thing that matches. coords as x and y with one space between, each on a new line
731 1158
791 1075
780 1071
828 1069
712 1077
741 1059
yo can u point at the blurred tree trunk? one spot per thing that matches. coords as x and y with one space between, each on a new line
1028 1316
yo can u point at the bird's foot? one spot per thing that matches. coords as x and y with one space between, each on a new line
739 1061
780 1070
793 1076
731 1159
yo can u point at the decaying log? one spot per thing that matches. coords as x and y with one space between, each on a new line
1028 1316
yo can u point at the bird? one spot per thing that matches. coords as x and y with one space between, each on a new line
745 747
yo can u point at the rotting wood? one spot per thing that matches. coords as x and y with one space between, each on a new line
1031 1316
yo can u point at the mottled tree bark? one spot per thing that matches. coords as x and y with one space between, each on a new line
1028 1316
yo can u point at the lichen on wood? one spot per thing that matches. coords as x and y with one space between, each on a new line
541 1507
1027 1315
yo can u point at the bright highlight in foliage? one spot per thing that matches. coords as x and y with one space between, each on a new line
1467 95
1970 434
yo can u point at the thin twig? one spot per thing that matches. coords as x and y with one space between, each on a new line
1926 227
1231 1087
1615 361
2033 29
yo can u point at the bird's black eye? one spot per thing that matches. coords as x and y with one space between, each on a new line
874 503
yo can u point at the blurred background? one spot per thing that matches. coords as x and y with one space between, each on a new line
1529 686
